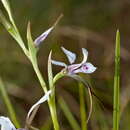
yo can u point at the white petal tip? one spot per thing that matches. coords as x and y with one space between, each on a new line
58 63
85 55
70 55
42 37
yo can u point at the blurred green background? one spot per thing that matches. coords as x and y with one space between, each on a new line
91 24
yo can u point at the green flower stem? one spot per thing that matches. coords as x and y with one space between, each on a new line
116 102
53 112
8 104
58 76
82 107
39 75
52 103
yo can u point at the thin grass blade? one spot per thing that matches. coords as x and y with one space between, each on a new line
8 104
82 107
50 73
116 102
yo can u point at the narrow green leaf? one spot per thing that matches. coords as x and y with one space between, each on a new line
31 45
52 101
50 73
8 104
116 102
33 58
74 124
8 9
82 107
13 32
4 21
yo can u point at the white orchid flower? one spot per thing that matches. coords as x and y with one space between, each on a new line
83 67
5 122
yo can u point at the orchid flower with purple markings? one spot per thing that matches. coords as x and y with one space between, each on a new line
5 122
43 36
83 67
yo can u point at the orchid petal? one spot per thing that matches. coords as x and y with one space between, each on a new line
73 67
43 99
85 55
59 63
70 55
86 68
6 124
43 36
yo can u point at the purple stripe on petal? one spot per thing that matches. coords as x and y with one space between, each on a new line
72 68
42 37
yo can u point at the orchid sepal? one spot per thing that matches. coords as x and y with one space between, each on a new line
58 63
70 55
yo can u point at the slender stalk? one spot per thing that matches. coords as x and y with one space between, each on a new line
8 104
39 75
116 105
58 76
53 112
82 107
52 103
